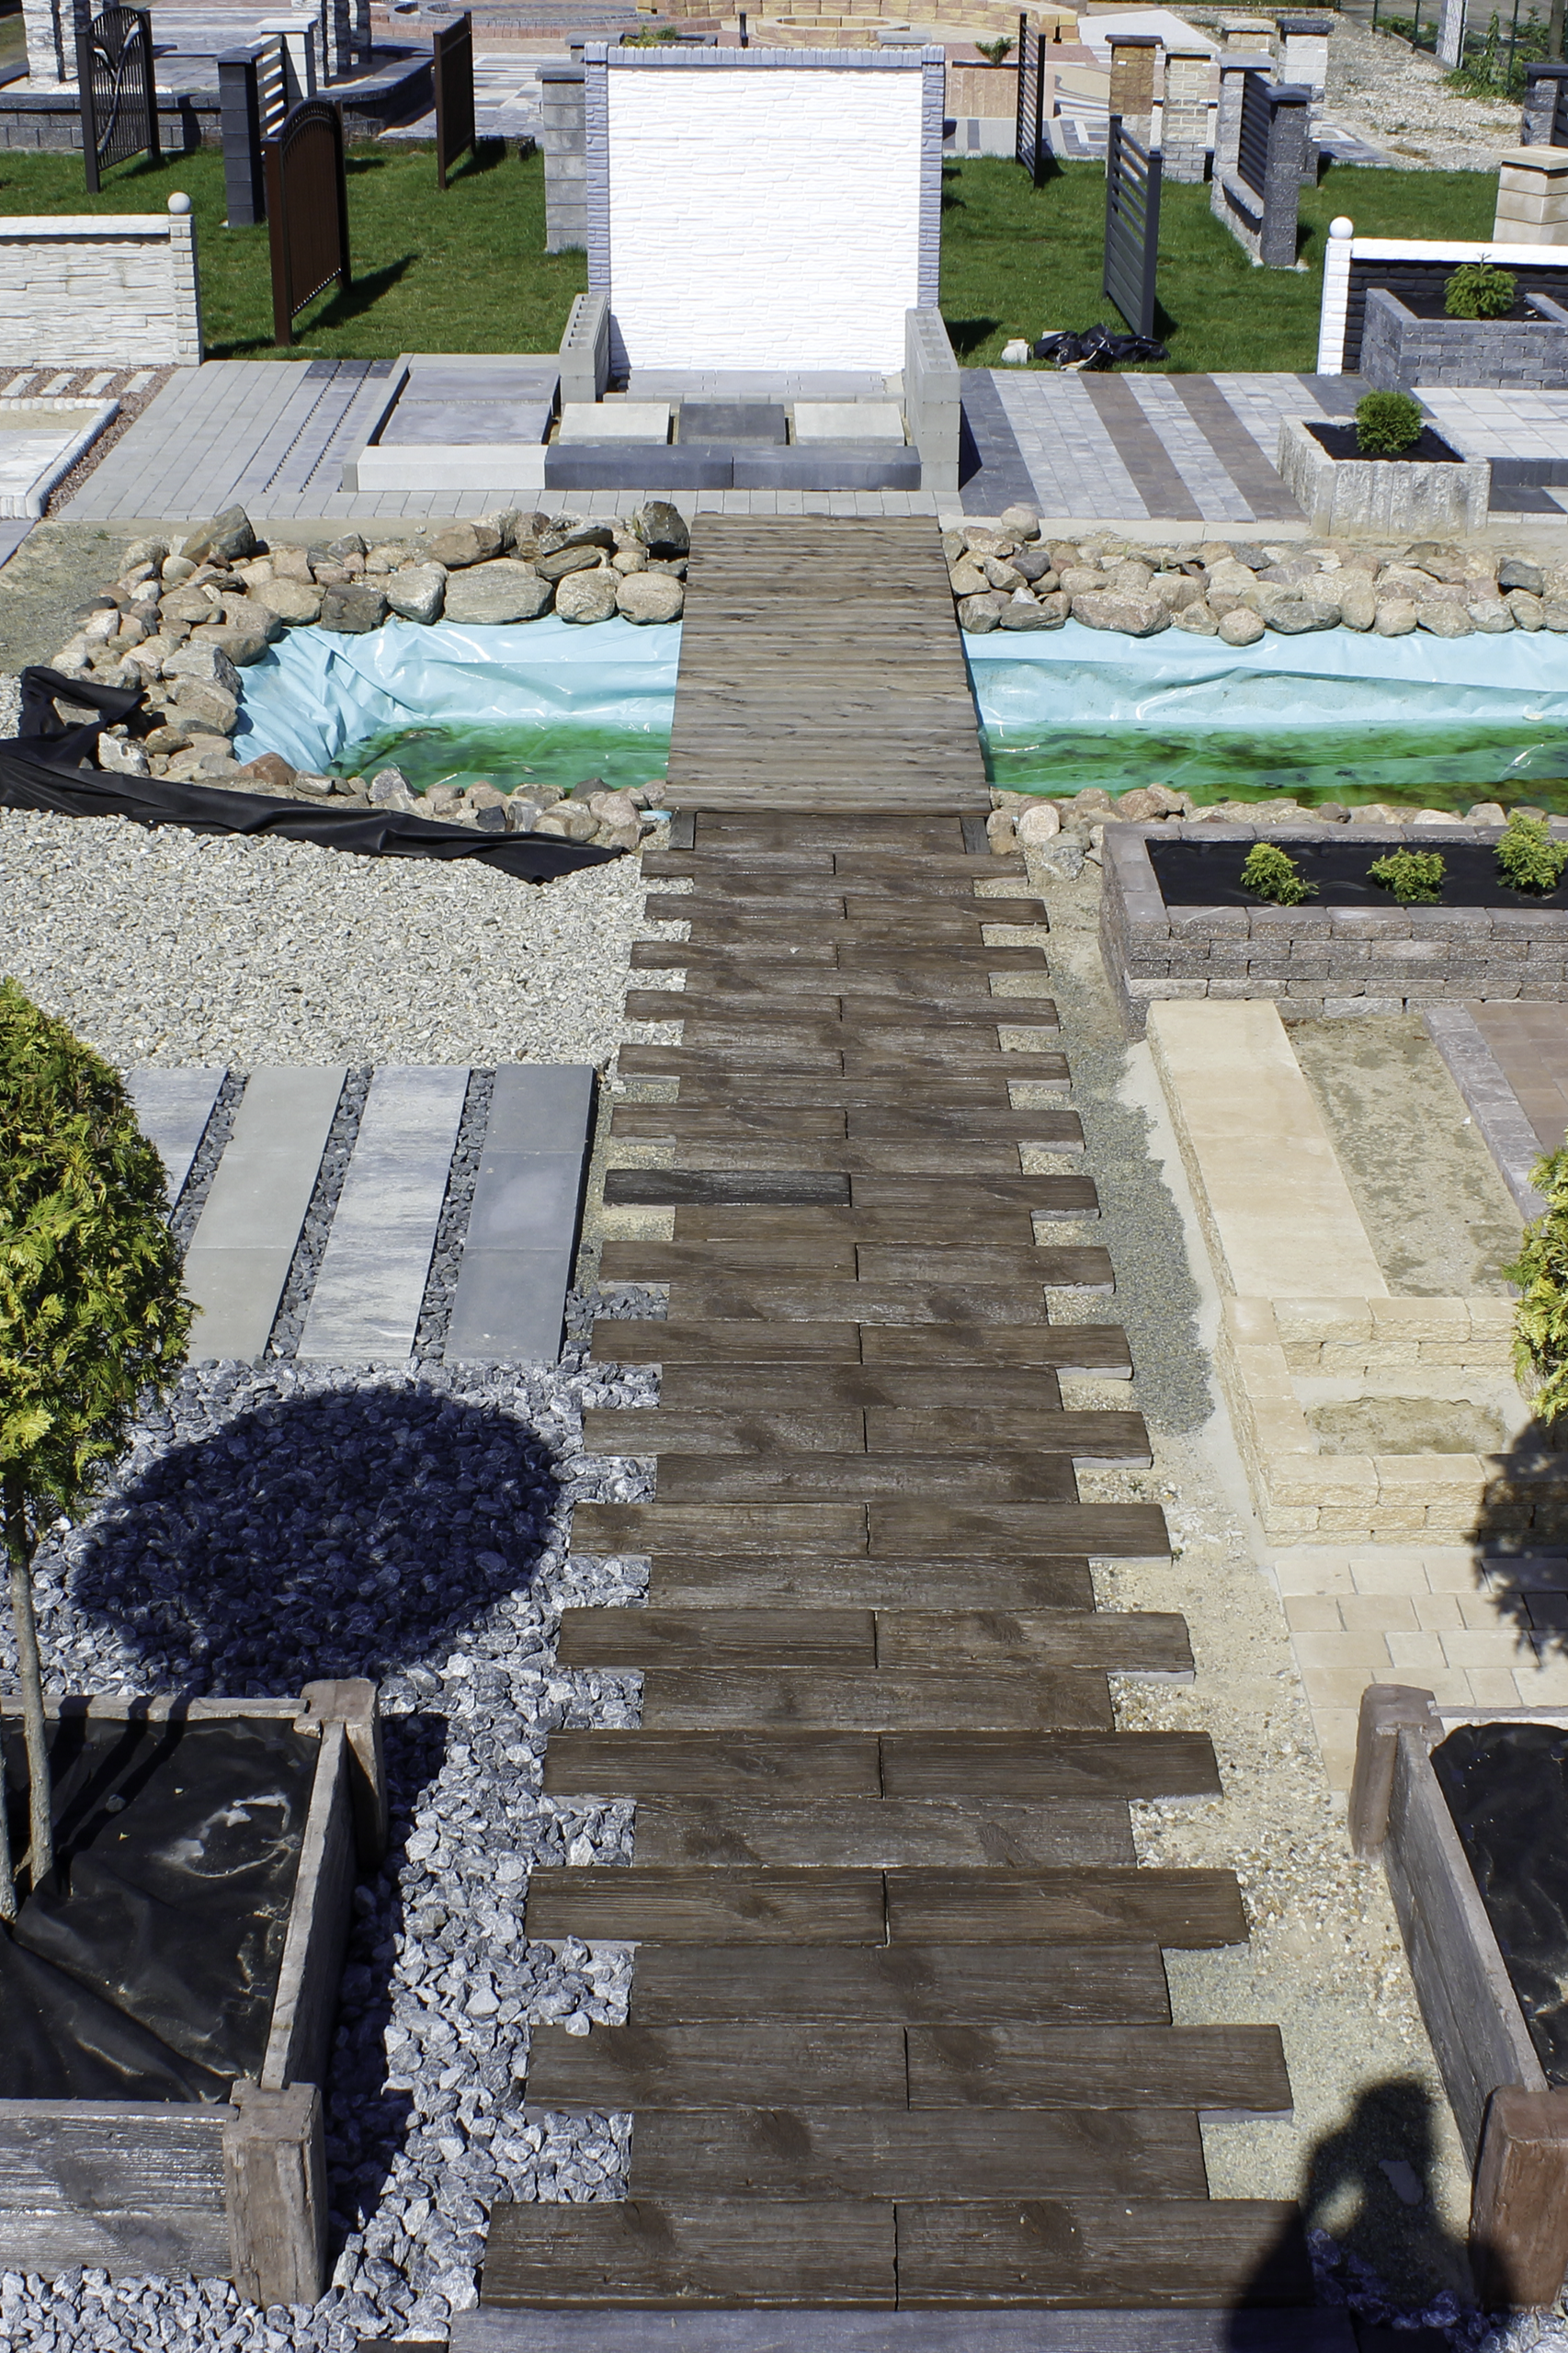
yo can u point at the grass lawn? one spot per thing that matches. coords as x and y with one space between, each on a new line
1019 260
466 271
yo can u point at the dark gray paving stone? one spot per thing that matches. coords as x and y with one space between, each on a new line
173 1108
523 1200
494 380
510 1303
633 465
828 465
541 1107
467 422
717 421
991 464
510 1306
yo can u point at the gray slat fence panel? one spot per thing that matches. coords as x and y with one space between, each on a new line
1132 226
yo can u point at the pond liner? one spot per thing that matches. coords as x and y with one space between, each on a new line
1506 1789
148 1971
51 767
1207 874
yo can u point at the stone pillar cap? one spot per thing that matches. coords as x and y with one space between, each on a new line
1534 159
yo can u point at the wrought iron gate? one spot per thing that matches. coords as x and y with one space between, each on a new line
307 211
453 65
120 99
1031 100
1132 226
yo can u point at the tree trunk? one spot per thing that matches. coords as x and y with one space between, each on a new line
41 1795
8 1868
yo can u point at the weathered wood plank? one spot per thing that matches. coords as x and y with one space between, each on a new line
762 2066
906 1532
1104 1532
693 1580
1062 1984
1179 1909
1098 1348
689 1764
694 1906
793 1428
625 1340
1127 1642
684 2253
1239 2069
825 1478
881 1833
1131 1765
717 1637
739 1299
1005 1700
1214 2253
708 1011
824 1388
718 1088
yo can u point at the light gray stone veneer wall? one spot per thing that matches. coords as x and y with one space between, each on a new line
113 289
1399 350
1314 961
562 137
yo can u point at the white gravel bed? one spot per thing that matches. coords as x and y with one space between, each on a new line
10 705
1400 100
173 947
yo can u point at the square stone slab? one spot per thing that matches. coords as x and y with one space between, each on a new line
497 380
615 421
460 423
848 421
715 421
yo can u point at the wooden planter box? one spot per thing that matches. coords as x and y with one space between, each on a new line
236 2190
1514 2125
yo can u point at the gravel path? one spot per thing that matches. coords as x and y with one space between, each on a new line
172 947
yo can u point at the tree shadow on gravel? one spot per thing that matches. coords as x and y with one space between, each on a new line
347 1533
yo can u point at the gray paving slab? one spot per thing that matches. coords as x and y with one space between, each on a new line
490 2330
471 423
13 531
371 1285
510 1302
731 421
240 1254
1505 1124
173 1108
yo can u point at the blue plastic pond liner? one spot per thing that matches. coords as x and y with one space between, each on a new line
49 767
316 693
1331 711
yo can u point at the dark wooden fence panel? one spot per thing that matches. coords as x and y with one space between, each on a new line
1031 100
119 100
307 211
1132 226
453 64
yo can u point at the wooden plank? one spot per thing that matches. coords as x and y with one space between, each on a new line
966 1124
1179 1909
661 1262
304 2006
724 917
1131 1765
740 1118
674 1188
691 1765
681 2254
1212 2253
898 1640
717 1637
1065 1985
790 1431
1087 1437
1100 1349
880 1833
907 1533
717 1089
835 1529
1005 1700
825 1478
742 1223
1103 1532
622 1340
760 2065
980 1197
689 1905
1123 1641
737 1299
777 966
927 1157
793 1429
700 1388
1236 2070
710 1011
693 1580
795 2151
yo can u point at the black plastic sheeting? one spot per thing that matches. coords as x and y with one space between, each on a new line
1507 1788
1208 874
149 1972
50 765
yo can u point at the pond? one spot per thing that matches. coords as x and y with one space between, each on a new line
1331 715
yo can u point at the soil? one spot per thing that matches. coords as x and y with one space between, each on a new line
57 567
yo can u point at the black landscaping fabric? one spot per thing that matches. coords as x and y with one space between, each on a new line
149 1970
1340 441
1507 1788
50 766
1208 874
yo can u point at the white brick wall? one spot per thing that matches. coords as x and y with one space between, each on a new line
764 219
114 289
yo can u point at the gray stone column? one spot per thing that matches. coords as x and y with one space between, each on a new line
1234 67
1544 89
1184 139
1305 61
50 26
565 164
1282 184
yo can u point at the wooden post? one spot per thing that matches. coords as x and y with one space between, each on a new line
1518 2212
351 1702
275 2185
1387 1708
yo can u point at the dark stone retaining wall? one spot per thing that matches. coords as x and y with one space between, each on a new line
1399 350
1316 960
398 90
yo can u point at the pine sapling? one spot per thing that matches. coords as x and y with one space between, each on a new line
1273 874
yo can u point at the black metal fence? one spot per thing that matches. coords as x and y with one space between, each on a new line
120 99
1252 155
453 68
307 211
1031 148
1132 226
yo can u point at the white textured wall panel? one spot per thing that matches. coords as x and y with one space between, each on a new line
764 220
100 290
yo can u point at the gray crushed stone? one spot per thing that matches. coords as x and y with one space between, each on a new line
310 1248
11 706
446 1258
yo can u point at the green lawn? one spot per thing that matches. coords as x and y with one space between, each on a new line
1019 260
467 271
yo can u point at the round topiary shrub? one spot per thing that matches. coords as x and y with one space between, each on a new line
1387 424
1479 289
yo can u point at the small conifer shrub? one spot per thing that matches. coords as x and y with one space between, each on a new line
1387 424
1414 876
1274 875
1527 857
1479 289
1540 1316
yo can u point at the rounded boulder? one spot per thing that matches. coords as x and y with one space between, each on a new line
587 595
645 597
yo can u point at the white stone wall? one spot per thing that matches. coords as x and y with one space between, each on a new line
765 218
114 289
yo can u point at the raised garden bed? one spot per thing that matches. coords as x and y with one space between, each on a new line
1420 495
1354 950
1411 340
225 2175
1469 1811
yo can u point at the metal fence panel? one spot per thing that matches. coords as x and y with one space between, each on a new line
1030 142
1252 159
119 99
453 64
1132 226
307 211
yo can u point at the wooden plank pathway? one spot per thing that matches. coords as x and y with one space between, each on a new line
899 2032
821 667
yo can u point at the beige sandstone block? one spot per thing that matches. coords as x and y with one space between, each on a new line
1283 1524
1382 1613
1403 1476
1420 1318
1346 1650
1311 1569
1450 1568
1316 1320
1491 1687
1436 1611
1314 1613
1473 1646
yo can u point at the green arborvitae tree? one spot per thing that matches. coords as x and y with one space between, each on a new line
1540 1316
92 1317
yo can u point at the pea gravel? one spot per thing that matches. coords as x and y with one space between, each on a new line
172 947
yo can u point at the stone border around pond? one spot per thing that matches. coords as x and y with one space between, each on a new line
1317 962
180 625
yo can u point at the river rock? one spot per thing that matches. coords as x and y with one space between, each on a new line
227 536
1022 522
561 563
1197 619
1131 616
353 608
1444 621
1037 825
118 757
1397 616
1240 627
569 821
587 597
979 614
662 529
267 773
416 593
1293 616
1001 575
389 789
461 544
199 660
1515 573
499 590
1554 614
1491 616
999 833
295 601
1022 612
243 637
1358 601
1035 565
965 578
1528 611
1079 579
647 596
